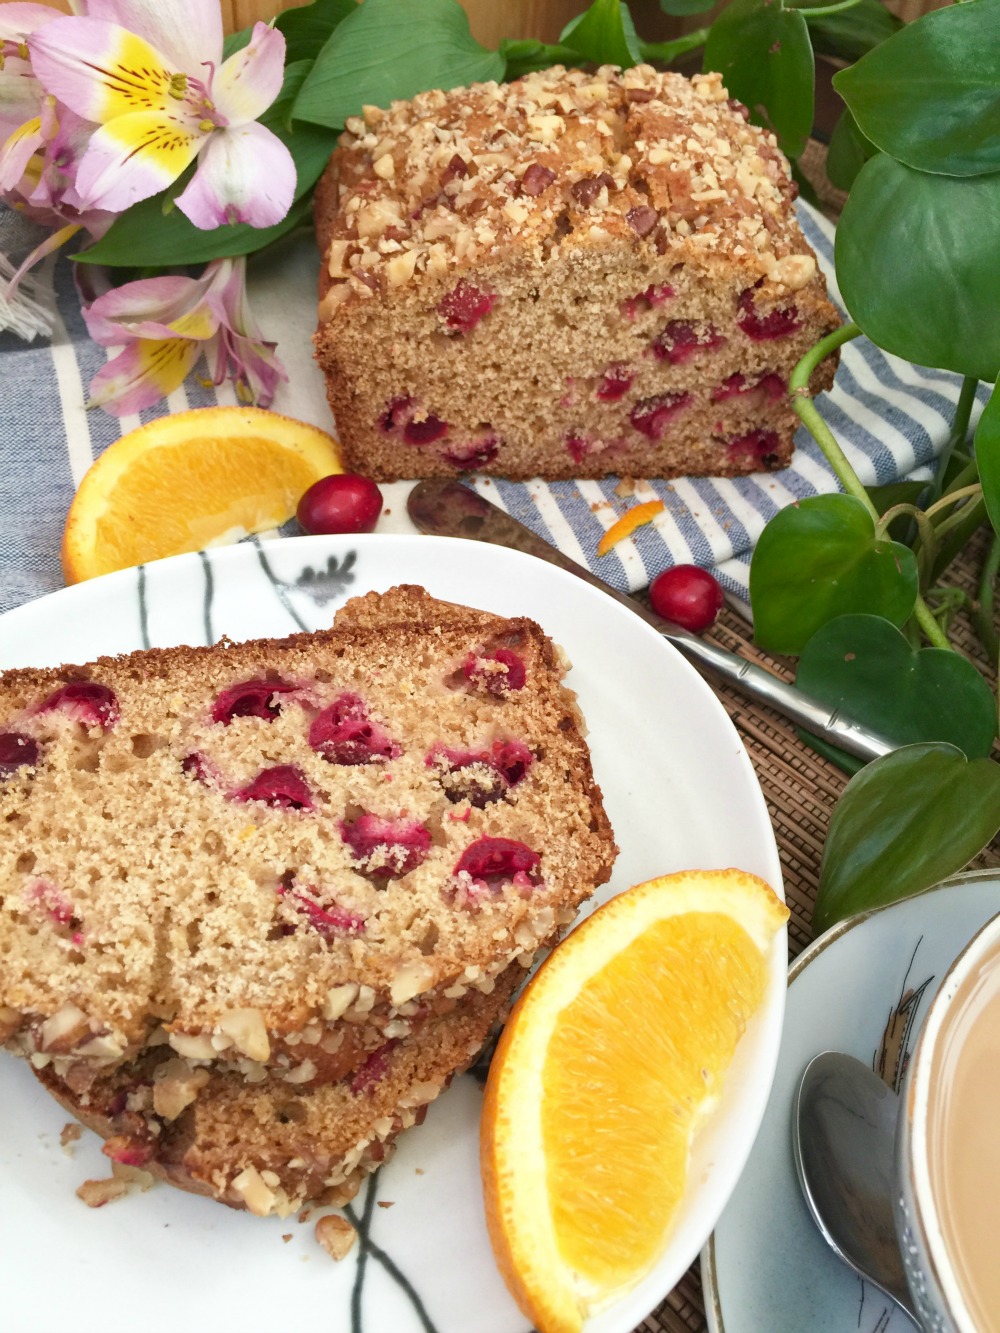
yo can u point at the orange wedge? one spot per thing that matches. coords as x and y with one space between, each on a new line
629 522
614 1052
192 480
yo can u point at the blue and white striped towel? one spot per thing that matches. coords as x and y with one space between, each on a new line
890 417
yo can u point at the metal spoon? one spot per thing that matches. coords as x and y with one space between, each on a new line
843 1135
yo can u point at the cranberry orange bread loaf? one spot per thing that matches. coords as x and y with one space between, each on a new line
566 276
267 1146
282 853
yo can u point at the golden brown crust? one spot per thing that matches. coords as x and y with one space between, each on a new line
557 277
145 897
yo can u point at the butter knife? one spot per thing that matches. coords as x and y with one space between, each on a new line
448 509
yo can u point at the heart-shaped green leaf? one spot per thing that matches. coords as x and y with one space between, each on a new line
307 29
930 95
917 265
988 457
389 49
604 34
146 236
765 57
820 559
905 822
681 8
863 666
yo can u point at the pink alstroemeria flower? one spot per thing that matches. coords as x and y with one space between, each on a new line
167 325
150 75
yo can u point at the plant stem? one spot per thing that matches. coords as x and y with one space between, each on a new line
673 50
798 388
982 616
957 434
821 11
932 630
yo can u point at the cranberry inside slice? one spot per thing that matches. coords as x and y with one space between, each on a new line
17 751
476 454
374 1068
480 671
464 306
616 382
654 295
777 323
493 862
251 698
386 847
651 416
482 777
425 432
284 787
90 702
344 734
760 444
680 341
769 388
397 413
328 921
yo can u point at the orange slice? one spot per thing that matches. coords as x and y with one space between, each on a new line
191 480
613 1054
631 520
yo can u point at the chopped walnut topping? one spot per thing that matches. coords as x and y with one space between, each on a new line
96 1193
336 1235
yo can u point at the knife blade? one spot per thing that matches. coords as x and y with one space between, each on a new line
449 509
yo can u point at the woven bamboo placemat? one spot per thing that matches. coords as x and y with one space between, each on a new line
801 789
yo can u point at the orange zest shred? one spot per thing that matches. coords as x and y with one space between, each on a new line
632 519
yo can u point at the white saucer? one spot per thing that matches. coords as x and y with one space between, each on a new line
863 988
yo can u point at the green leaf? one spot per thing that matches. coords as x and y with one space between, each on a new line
850 34
389 49
765 57
522 56
681 8
917 265
895 493
848 152
988 457
865 667
906 821
604 34
308 29
930 95
147 237
819 559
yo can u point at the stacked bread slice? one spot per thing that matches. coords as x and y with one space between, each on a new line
260 901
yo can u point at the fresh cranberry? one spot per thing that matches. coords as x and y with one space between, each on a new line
680 340
688 595
328 921
397 413
345 734
17 751
283 787
464 306
424 432
342 503
512 677
616 382
652 296
476 454
91 703
775 324
390 847
250 698
374 1068
650 417
493 862
761 444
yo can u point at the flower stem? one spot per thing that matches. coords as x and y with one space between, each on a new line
821 11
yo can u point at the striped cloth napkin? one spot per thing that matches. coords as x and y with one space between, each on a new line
890 417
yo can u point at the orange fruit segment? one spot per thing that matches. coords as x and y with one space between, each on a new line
612 1056
188 481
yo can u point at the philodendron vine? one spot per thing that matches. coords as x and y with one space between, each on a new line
852 582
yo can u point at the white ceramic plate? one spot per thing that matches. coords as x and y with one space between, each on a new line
862 988
680 792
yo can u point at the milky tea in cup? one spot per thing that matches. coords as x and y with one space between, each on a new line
952 1104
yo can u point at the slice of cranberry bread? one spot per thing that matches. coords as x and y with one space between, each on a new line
267 1146
567 276
282 853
